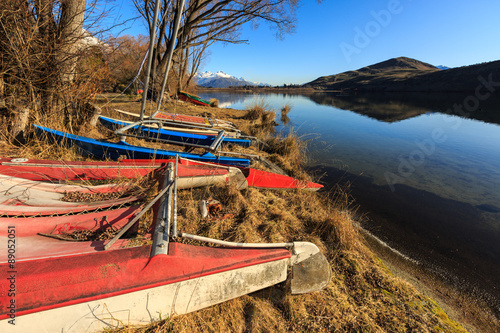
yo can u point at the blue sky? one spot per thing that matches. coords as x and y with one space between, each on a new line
337 36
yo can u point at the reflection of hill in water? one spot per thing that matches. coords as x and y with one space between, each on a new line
392 107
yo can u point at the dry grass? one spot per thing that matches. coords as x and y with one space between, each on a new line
214 102
362 296
262 117
289 152
285 110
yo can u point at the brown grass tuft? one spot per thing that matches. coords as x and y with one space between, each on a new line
214 102
289 152
284 113
285 109
262 118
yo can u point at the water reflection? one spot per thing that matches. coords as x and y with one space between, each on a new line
392 107
456 240
429 179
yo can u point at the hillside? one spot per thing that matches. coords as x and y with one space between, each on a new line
406 74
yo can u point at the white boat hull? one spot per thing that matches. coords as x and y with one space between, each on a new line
154 304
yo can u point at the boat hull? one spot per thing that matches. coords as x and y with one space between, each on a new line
56 171
59 225
185 97
42 207
178 137
115 151
125 286
187 121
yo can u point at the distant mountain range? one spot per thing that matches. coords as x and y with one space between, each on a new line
406 74
223 80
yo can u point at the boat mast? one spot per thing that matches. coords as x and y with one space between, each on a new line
171 46
152 38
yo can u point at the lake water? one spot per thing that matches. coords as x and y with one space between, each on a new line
426 174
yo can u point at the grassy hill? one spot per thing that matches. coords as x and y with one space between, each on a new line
405 74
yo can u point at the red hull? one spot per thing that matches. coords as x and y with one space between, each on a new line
17 208
57 225
45 284
56 170
182 118
46 170
185 98
263 179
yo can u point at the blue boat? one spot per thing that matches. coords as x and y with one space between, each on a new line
176 137
102 149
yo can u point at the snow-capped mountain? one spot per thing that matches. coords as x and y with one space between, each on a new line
223 80
441 67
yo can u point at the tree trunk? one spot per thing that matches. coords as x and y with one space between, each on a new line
72 16
21 115
97 111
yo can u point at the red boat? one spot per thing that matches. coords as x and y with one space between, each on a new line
24 197
40 207
61 225
52 285
184 96
192 172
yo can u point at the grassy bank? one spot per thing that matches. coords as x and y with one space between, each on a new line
364 294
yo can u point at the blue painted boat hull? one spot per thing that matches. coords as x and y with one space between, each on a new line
103 149
177 136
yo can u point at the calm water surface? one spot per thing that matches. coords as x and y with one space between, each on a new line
428 179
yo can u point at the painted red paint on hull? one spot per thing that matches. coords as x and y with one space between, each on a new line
57 225
130 168
18 208
264 179
46 170
57 282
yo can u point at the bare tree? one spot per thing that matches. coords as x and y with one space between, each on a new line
124 59
208 21
41 45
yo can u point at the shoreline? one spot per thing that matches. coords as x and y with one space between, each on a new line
253 90
392 223
459 305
